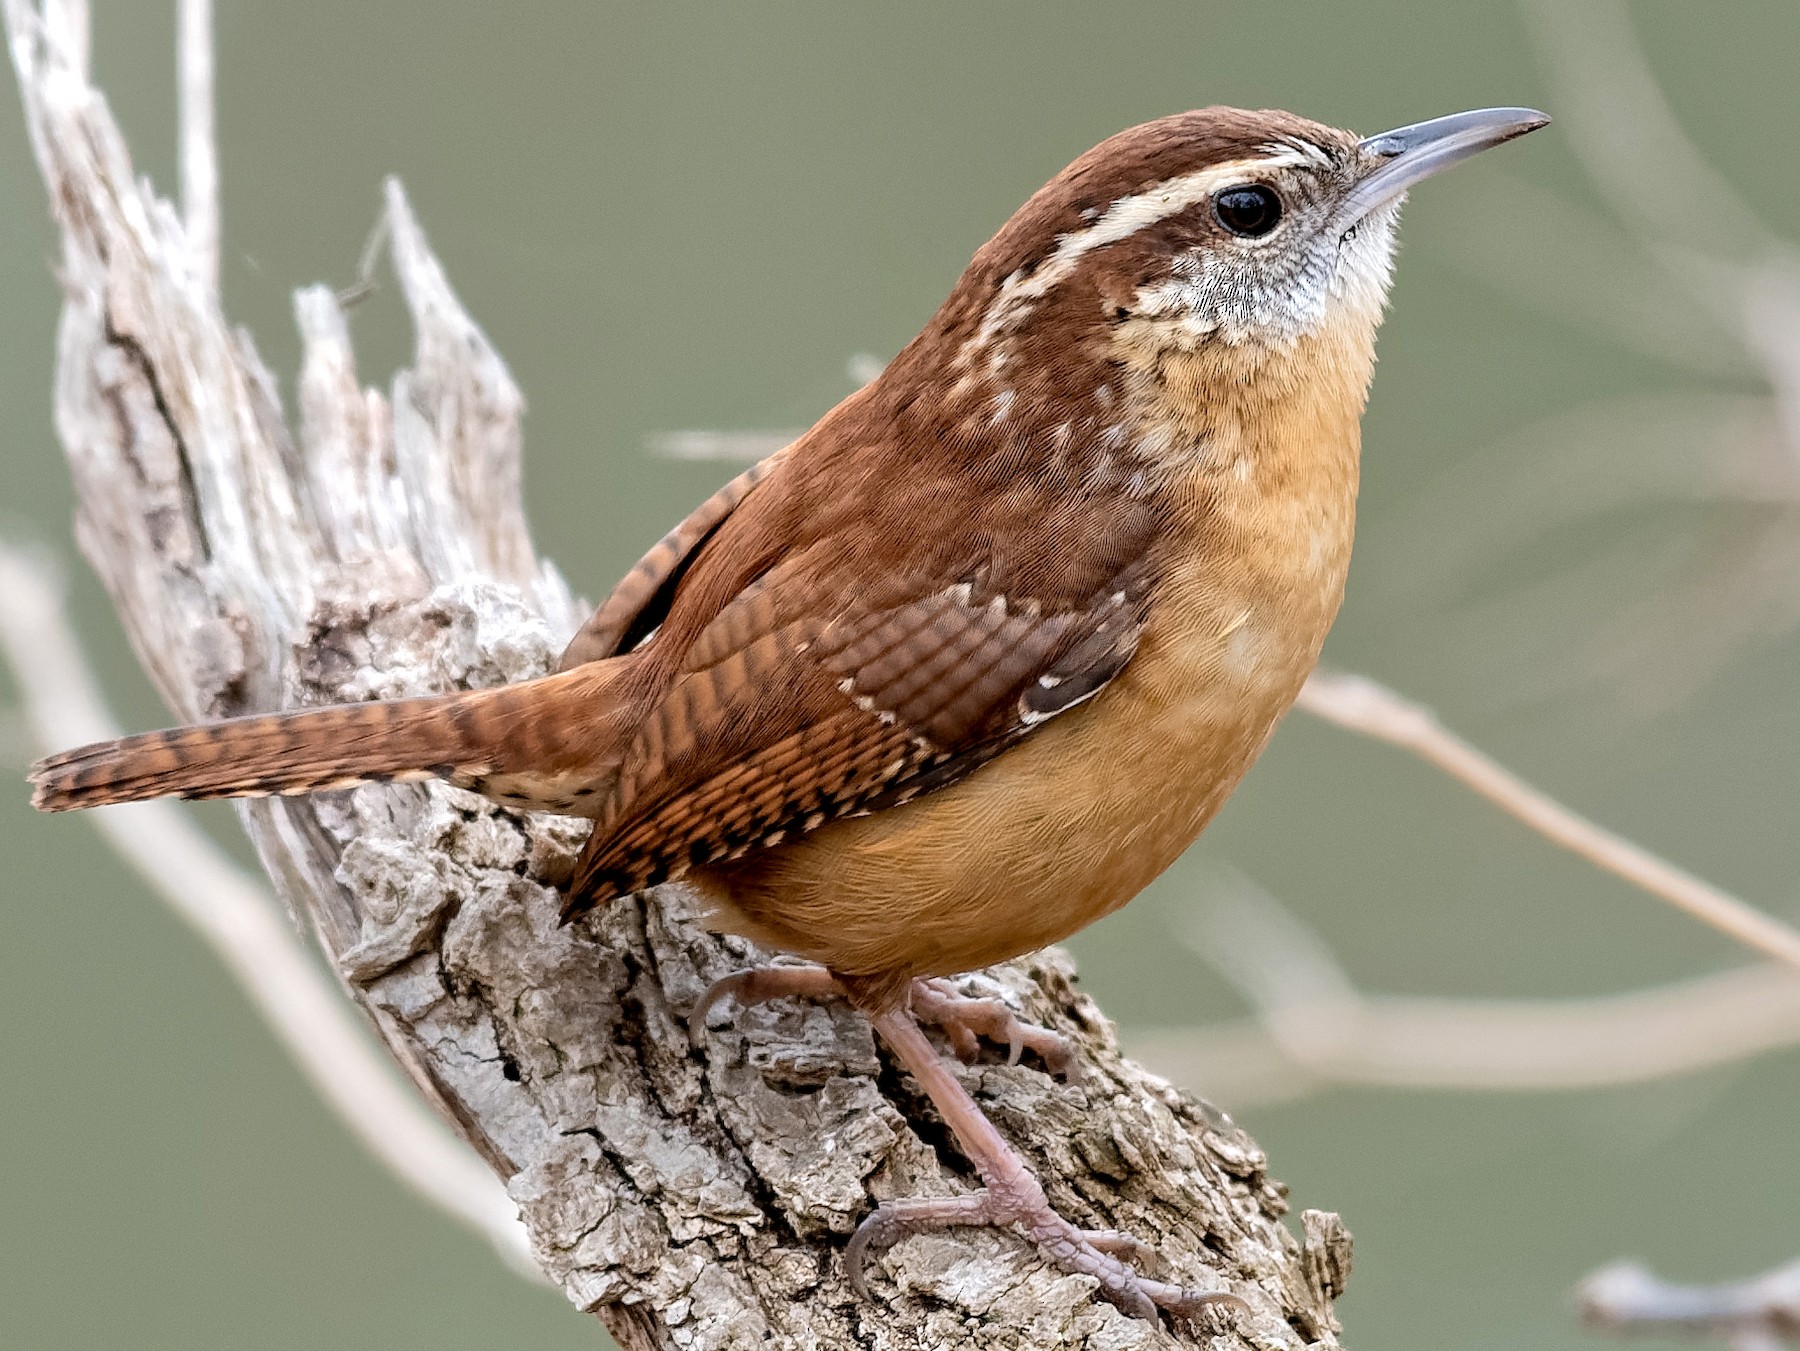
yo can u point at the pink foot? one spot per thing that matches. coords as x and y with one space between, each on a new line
965 1020
1113 1259
760 984
1011 1197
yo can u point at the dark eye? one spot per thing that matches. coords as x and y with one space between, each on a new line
1251 211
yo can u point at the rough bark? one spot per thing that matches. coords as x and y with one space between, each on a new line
692 1192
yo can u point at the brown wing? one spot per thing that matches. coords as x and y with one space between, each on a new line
643 596
864 668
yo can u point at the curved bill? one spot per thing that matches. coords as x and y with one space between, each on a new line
1408 154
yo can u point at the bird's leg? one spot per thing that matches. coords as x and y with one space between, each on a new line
965 1020
1010 1197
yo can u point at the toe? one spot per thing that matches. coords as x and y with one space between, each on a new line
965 1019
759 984
1185 1303
1126 1247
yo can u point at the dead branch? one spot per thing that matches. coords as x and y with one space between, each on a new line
1761 1314
1313 1029
238 919
1364 706
691 1195
199 146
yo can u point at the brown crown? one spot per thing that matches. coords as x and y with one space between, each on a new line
1056 389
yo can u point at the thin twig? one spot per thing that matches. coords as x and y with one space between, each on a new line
1362 705
699 443
747 447
238 920
368 264
1313 1028
199 145
1761 1312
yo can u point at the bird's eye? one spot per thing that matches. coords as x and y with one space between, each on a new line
1251 210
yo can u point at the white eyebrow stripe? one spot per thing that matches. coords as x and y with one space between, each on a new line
1124 218
1297 152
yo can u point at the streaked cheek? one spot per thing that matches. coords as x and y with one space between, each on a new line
1365 267
1270 298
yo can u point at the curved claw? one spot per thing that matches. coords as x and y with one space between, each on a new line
964 1043
760 984
1189 1303
892 1221
716 992
1126 1247
856 1252
967 1019
1108 1255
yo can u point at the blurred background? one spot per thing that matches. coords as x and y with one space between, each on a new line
1580 542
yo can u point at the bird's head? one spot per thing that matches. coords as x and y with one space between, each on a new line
1223 225
1200 249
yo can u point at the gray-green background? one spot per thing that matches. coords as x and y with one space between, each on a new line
690 215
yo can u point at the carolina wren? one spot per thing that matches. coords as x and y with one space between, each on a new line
973 660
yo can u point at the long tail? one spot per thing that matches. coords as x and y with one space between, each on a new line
551 744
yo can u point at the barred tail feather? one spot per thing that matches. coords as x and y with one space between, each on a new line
512 742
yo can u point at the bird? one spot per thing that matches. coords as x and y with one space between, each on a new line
967 664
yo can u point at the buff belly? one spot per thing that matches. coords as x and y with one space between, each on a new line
1050 836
